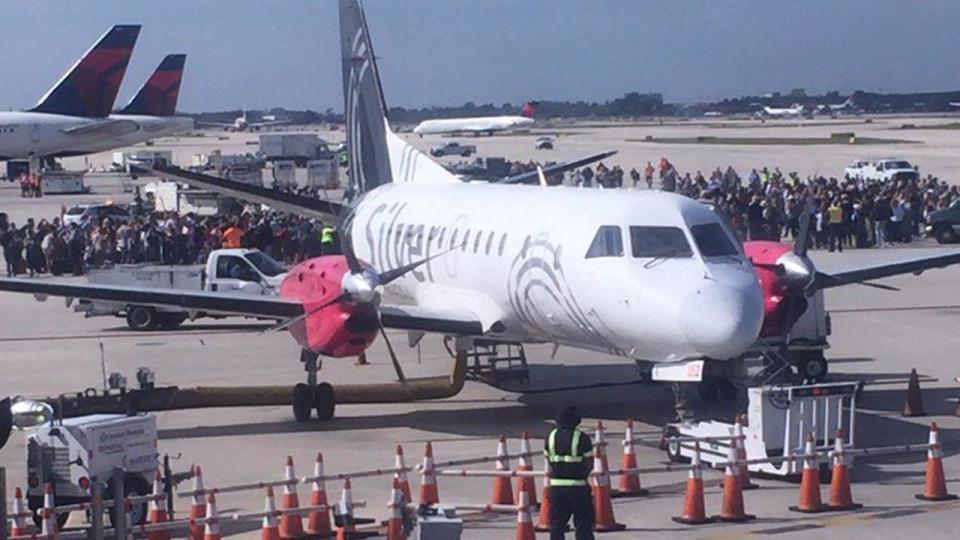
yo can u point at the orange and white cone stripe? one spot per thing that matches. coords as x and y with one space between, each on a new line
429 493
401 475
694 511
629 482
602 505
198 508
502 488
291 525
543 515
20 512
740 440
810 501
524 522
841 496
158 514
212 527
935 484
346 506
397 502
526 483
270 530
318 522
732 509
48 526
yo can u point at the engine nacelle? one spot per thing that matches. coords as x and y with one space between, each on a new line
340 329
765 256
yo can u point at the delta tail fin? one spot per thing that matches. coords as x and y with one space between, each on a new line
530 108
158 96
377 156
90 87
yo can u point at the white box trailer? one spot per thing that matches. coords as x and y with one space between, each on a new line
63 182
779 418
299 147
72 453
285 173
175 197
323 174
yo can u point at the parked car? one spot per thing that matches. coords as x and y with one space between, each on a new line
82 213
944 224
882 170
453 148
543 143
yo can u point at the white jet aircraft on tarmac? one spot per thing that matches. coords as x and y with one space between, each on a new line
787 112
478 125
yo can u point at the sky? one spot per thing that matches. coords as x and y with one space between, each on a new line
258 53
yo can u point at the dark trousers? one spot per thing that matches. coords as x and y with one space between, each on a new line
567 501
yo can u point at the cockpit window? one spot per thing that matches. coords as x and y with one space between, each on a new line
607 243
712 241
658 242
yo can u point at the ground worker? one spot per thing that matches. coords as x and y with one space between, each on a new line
328 244
569 454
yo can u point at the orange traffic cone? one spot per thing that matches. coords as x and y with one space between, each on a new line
346 507
629 482
600 441
526 483
158 514
602 505
810 502
318 522
502 489
19 514
49 524
429 494
935 487
914 404
524 523
397 502
401 475
732 508
841 497
543 515
741 441
212 528
198 508
693 506
291 525
271 525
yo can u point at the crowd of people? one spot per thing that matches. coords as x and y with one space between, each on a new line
51 246
767 204
763 204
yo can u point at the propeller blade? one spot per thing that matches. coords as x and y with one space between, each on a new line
392 275
803 234
542 177
283 325
393 354
344 228
880 286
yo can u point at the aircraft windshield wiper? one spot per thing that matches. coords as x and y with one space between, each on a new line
660 256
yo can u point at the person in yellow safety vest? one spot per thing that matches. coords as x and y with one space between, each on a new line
836 227
569 455
328 242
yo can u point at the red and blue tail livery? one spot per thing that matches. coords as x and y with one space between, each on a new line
158 96
90 87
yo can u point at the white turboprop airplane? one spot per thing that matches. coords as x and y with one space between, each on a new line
788 112
243 123
75 113
643 275
478 125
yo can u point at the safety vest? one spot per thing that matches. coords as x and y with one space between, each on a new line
326 235
561 464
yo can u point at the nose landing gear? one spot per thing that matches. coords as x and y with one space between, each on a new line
311 395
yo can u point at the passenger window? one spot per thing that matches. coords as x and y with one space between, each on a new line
712 241
608 242
658 242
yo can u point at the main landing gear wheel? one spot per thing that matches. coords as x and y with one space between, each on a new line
324 401
302 402
812 366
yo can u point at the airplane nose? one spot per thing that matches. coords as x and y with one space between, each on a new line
722 321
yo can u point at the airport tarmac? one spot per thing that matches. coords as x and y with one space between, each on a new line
877 337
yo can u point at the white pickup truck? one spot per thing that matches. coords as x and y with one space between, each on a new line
244 271
882 170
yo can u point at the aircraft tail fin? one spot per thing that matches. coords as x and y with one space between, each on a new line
90 87
530 108
377 156
158 96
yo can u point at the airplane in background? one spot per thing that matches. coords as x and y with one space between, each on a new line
478 125
955 103
794 111
643 275
75 112
243 123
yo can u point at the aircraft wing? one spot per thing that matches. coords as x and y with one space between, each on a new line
859 275
226 303
432 320
268 124
109 128
531 177
287 202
